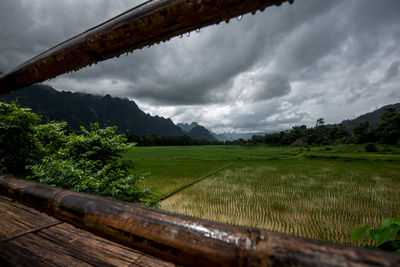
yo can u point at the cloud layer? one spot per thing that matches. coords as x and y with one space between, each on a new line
286 66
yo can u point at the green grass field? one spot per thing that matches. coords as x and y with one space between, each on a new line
322 193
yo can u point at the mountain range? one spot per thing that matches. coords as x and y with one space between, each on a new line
83 109
373 117
196 131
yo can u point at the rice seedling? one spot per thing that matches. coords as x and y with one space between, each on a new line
317 193
169 175
316 199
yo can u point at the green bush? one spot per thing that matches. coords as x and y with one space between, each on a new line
88 161
18 144
371 148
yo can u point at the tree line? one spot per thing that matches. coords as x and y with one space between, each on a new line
386 132
154 140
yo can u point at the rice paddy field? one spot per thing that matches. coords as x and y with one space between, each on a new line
320 193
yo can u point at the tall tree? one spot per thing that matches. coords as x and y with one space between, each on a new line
389 129
364 133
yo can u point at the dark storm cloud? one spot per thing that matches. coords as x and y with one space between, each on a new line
288 65
205 71
194 70
260 87
393 70
201 69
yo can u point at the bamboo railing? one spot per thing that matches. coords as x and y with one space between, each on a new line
185 240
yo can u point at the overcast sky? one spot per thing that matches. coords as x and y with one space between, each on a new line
287 66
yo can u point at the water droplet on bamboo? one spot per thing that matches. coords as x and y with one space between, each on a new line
187 34
239 17
197 30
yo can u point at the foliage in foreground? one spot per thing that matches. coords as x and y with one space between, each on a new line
386 237
17 138
86 161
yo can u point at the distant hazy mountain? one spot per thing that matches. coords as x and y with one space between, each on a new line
196 131
187 127
235 136
82 109
373 117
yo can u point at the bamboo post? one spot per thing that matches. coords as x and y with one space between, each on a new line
182 239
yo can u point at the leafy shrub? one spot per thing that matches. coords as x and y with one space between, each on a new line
386 236
18 145
51 137
371 148
88 161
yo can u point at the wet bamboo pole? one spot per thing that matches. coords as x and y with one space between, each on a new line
152 22
182 239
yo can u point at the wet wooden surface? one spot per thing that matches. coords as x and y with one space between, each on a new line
31 238
181 239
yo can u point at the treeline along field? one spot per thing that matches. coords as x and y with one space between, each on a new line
319 192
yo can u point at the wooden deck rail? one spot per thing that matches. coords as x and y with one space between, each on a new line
182 239
152 22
